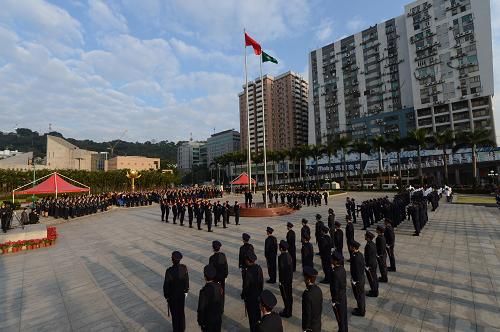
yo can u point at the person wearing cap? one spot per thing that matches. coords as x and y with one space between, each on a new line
292 249
253 284
348 205
210 302
338 238
245 249
307 252
236 211
312 302
325 196
285 268
270 321
190 214
271 253
349 235
325 252
338 284
371 264
305 230
390 240
175 289
331 221
208 216
318 228
358 279
381 253
353 210
219 261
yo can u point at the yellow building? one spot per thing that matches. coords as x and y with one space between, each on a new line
61 154
132 162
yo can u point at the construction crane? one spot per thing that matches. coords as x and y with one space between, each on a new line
112 145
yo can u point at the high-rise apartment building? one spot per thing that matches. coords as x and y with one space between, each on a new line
221 143
285 99
429 68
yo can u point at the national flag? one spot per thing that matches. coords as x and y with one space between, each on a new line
249 41
267 58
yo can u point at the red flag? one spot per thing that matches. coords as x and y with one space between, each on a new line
249 41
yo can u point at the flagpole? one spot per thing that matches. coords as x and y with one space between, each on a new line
264 129
249 165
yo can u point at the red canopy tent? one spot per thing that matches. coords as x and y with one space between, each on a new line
54 184
242 179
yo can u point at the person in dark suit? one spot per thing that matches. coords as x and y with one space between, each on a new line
371 264
174 212
292 249
210 302
236 209
305 230
325 252
245 249
307 252
175 289
349 234
312 302
162 208
338 238
338 286
381 253
271 253
219 261
353 210
390 240
285 268
270 321
358 279
331 222
190 214
167 211
253 284
198 208
208 217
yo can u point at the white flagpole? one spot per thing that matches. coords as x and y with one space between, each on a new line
249 165
264 130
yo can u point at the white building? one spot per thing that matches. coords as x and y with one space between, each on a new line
221 143
191 153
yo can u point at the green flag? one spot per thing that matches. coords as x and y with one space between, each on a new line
267 58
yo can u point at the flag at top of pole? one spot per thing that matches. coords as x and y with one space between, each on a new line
267 58
249 41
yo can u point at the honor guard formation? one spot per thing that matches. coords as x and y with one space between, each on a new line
367 262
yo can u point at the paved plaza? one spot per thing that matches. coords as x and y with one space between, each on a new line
106 273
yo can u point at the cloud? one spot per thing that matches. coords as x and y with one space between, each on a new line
104 18
355 24
324 32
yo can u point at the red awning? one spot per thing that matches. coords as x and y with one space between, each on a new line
54 184
242 179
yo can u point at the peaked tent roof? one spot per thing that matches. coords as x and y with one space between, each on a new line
242 179
54 184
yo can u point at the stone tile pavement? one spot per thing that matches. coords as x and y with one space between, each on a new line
106 273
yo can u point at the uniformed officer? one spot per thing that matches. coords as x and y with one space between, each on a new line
307 252
371 264
162 208
381 253
253 284
285 268
358 279
305 230
236 210
349 234
331 222
271 253
390 240
292 249
175 289
312 302
190 214
338 286
270 321
325 252
210 302
208 217
338 238
219 261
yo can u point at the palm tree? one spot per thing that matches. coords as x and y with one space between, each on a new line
418 138
303 152
316 152
257 158
343 144
444 140
292 155
379 143
360 147
397 144
473 140
273 157
330 150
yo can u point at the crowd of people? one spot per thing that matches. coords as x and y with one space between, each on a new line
367 265
294 199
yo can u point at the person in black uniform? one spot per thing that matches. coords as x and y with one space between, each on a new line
353 210
381 253
236 209
270 321
174 212
338 238
358 279
305 230
325 252
390 240
271 253
331 221
312 302
167 211
181 209
210 302
338 286
371 264
307 252
318 229
162 208
245 249
175 289
198 211
219 261
208 217
349 234
292 249
190 214
348 206
253 284
285 268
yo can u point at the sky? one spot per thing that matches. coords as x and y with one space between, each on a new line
160 69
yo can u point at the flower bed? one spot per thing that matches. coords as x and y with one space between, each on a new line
15 246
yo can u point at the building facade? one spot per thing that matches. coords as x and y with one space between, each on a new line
61 154
221 143
132 162
429 68
191 153
285 101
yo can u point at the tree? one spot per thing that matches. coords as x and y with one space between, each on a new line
444 140
360 147
473 140
330 150
397 144
316 152
303 152
379 143
293 154
343 144
257 158
418 139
